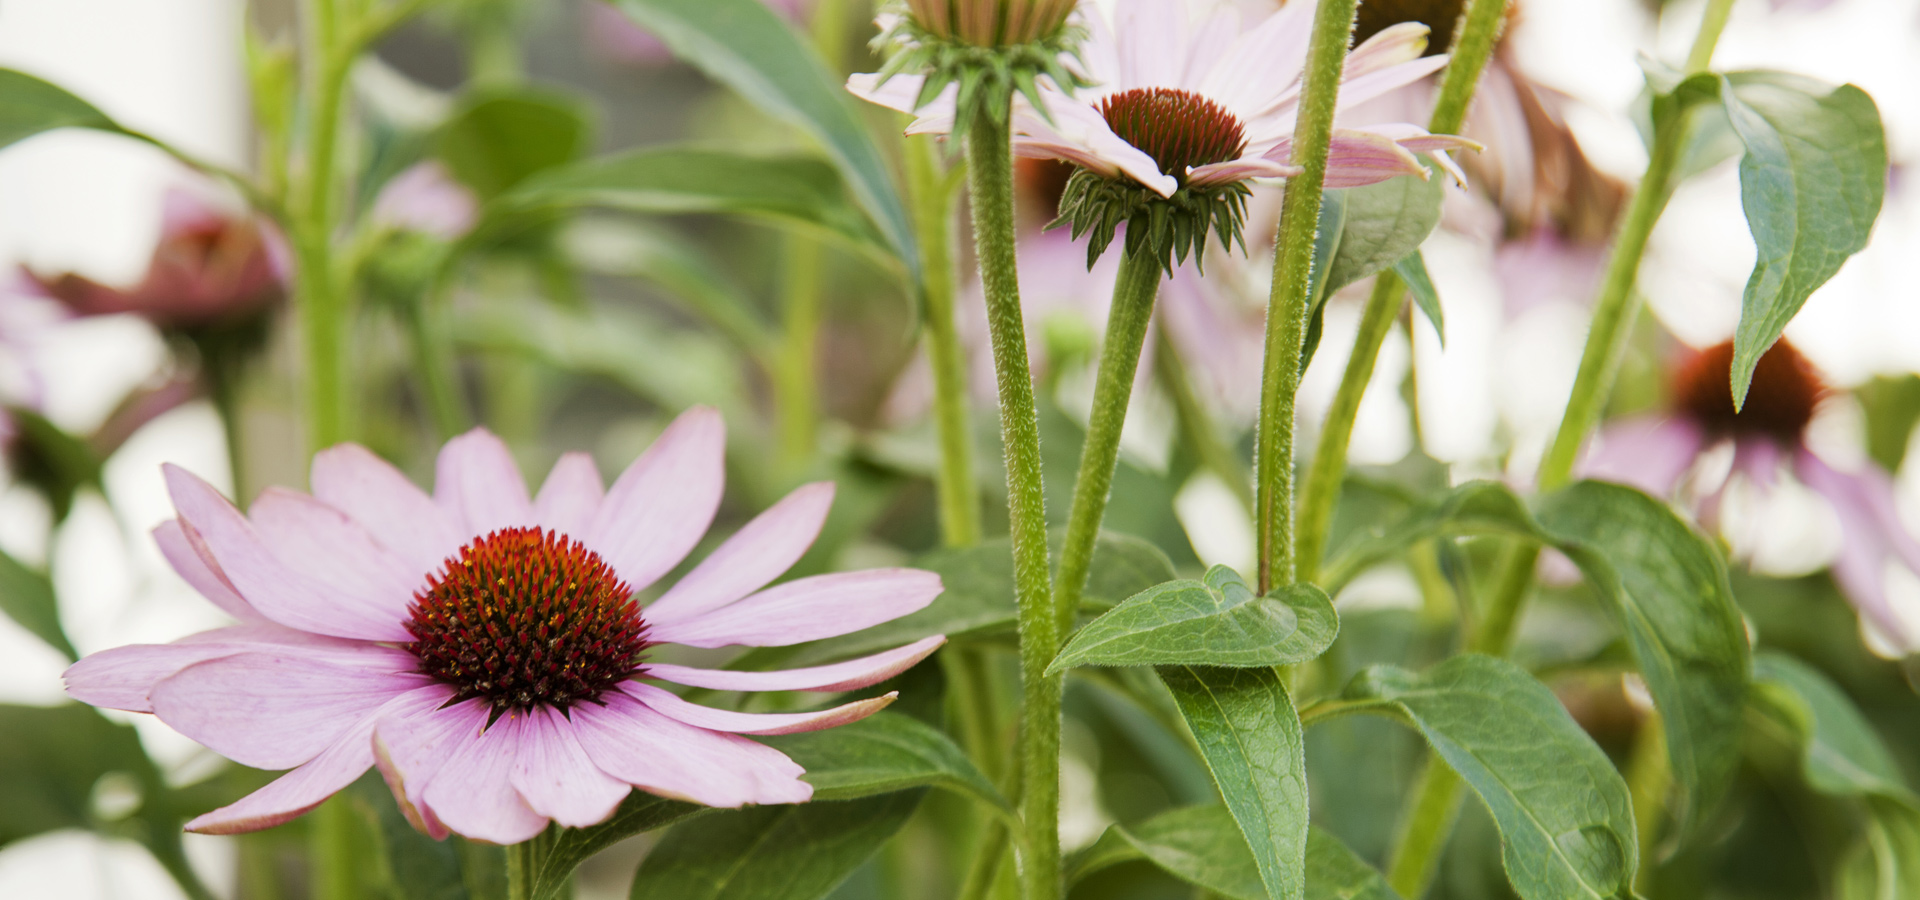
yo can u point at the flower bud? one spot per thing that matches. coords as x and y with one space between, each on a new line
991 23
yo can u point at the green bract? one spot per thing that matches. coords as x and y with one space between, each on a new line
987 75
1167 229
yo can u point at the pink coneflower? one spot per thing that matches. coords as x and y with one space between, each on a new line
1658 453
1178 104
485 648
426 199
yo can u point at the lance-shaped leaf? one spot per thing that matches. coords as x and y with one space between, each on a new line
1841 754
1215 622
1201 845
1812 181
27 597
793 852
1250 736
745 46
1564 814
1412 269
1335 872
29 106
883 753
1383 224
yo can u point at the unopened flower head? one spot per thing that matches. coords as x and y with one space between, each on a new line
991 23
983 50
487 649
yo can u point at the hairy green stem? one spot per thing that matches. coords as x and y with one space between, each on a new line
523 866
1424 829
990 179
317 292
1287 305
1127 318
933 223
796 381
1321 492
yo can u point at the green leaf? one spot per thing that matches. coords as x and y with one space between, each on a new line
30 106
499 138
27 597
1335 872
883 753
640 812
1383 224
682 270
797 852
50 762
1811 182
1892 407
1841 754
1216 622
794 190
1412 269
1200 845
1885 865
744 45
53 462
1250 736
410 864
1565 819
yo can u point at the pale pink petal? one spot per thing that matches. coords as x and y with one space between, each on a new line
1872 536
900 92
808 609
663 756
843 676
473 794
1240 169
426 198
1649 453
662 504
350 478
273 710
1263 67
1355 91
1210 43
712 719
570 496
278 592
410 749
1359 158
1390 46
556 779
198 570
477 482
299 791
322 543
1151 39
755 555
122 677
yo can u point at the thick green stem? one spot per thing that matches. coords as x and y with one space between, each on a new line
1133 296
322 304
1424 829
1649 781
1287 305
523 863
1321 492
933 222
1712 23
990 179
330 850
796 381
1197 426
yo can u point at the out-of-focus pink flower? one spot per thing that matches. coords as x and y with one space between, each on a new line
426 199
619 39
1658 453
210 267
483 647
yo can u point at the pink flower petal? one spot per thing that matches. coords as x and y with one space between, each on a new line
663 756
274 709
299 791
479 484
843 676
1359 158
755 555
121 678
570 496
808 609
755 723
322 543
1649 453
662 504
1239 170
278 592
350 478
556 779
410 749
1872 537
184 554
1390 46
472 792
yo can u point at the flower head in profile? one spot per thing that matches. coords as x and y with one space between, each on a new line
486 648
1181 112
1768 436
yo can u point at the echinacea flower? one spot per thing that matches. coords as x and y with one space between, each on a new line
426 199
485 648
1658 453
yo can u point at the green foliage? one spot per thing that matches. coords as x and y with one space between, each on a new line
744 45
883 753
1364 231
798 852
30 106
411 865
640 812
1812 180
1566 823
53 462
1215 622
497 139
1412 269
1164 229
1250 736
987 75
1892 408
1201 845
27 597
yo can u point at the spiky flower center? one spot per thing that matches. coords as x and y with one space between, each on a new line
523 618
1179 129
1786 390
1375 16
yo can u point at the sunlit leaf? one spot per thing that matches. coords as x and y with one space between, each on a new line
883 753
497 139
792 852
1215 622
30 106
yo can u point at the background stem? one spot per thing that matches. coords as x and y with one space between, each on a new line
1321 492
933 221
323 311
796 381
1427 823
330 850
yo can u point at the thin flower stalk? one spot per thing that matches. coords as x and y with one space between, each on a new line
959 491
317 292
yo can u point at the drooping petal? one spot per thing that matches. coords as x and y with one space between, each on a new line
755 555
900 92
661 505
1873 537
1402 42
409 750
1239 170
570 496
278 592
322 543
350 478
299 791
1359 158
808 609
473 794
273 710
712 719
556 779
1650 453
198 571
666 757
478 483
123 677
843 676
